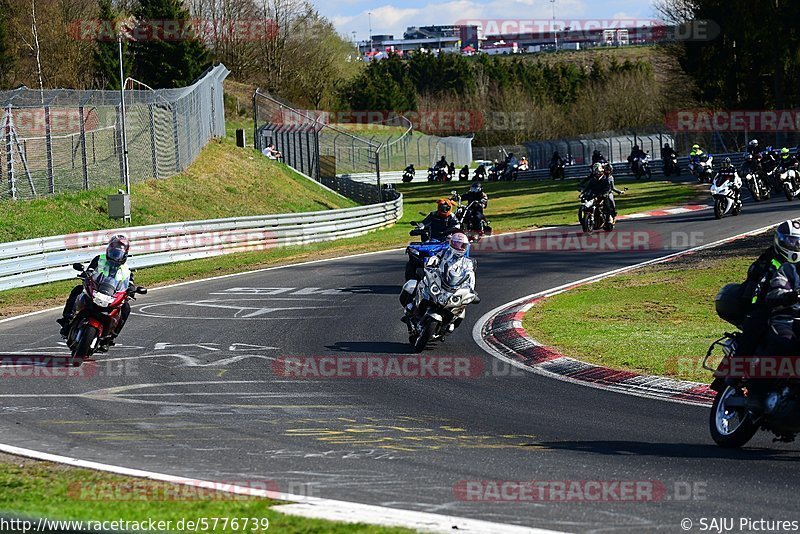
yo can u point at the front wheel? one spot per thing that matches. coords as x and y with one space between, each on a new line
84 347
719 209
427 331
787 190
730 428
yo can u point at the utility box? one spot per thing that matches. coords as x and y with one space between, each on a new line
240 138
119 206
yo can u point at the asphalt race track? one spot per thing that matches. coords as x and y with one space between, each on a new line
191 392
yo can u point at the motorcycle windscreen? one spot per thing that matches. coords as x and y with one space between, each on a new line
108 285
455 273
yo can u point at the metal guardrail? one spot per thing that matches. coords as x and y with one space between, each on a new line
50 259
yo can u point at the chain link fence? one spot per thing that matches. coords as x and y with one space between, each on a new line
62 140
615 146
330 153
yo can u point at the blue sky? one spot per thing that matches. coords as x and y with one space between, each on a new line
393 16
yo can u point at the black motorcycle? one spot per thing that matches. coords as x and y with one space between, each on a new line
557 170
671 165
747 400
756 179
471 219
641 167
408 175
592 213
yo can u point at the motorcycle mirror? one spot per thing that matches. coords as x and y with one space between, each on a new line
413 223
141 290
78 267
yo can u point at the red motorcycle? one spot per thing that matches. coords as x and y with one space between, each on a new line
97 313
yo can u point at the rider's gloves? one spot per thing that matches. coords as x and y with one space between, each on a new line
790 297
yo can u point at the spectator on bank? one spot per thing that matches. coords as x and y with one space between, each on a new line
272 153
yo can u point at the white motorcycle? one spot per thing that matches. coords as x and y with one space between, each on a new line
703 168
726 200
790 180
436 305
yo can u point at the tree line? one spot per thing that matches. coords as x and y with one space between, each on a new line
284 46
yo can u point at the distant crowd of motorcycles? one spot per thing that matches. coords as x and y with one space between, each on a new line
507 170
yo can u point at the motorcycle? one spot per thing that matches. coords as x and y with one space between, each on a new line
744 404
495 172
703 168
790 182
408 176
641 167
592 213
725 198
436 305
557 170
97 313
474 226
418 252
671 165
756 182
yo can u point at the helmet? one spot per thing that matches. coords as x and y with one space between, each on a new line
666 146
597 168
784 153
117 249
459 244
476 187
636 147
695 147
753 143
787 240
444 207
608 169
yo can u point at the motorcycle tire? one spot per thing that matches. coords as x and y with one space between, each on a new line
719 210
788 193
427 331
609 227
588 224
83 349
740 435
737 209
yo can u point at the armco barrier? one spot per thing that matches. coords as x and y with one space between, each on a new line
49 259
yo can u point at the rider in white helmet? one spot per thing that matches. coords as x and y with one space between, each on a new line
454 261
783 298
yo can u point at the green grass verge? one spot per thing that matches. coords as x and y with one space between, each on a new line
224 181
657 320
35 489
512 206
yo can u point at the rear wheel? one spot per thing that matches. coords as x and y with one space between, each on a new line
730 428
84 348
427 331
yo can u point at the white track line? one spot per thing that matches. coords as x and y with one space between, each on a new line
313 507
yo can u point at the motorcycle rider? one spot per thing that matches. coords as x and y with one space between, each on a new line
694 156
463 174
454 257
728 173
110 264
480 199
752 148
556 163
480 172
787 160
783 298
667 152
598 157
602 185
442 222
594 173
636 153
410 169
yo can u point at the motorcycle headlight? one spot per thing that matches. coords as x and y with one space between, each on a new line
103 301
